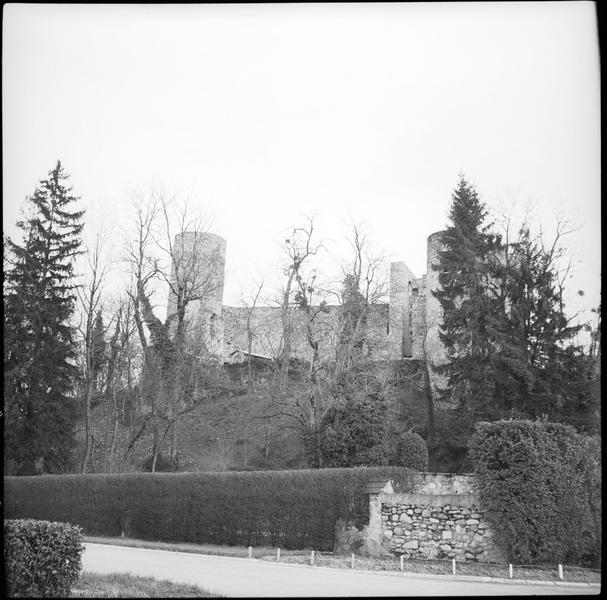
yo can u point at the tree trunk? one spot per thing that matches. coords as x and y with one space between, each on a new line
93 453
173 442
266 450
158 443
286 332
155 448
87 426
113 445
430 399
115 419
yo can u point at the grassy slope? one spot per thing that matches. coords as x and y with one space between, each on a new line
227 432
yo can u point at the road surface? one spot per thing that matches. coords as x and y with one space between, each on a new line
244 577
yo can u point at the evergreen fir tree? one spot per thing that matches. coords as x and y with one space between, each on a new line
541 370
39 352
466 266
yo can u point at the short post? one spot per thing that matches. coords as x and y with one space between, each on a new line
453 566
402 562
312 557
250 551
560 571
277 553
510 570
352 561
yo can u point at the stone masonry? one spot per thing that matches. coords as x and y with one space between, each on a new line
440 519
396 329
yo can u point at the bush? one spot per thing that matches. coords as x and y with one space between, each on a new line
352 434
291 509
411 451
540 484
41 559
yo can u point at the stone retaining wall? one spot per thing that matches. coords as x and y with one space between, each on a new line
440 518
437 526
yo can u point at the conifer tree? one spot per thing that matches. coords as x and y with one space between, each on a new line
507 336
466 267
541 370
39 351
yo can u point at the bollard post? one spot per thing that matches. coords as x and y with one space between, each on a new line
560 571
402 562
352 562
250 551
510 570
454 566
277 553
312 557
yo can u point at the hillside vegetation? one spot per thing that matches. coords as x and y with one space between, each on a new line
237 428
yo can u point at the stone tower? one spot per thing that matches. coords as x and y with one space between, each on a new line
400 308
434 349
199 269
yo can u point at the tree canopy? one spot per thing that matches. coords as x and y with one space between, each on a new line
39 347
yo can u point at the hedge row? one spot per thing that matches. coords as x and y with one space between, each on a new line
41 559
291 509
541 485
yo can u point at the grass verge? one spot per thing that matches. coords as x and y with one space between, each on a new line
441 567
125 585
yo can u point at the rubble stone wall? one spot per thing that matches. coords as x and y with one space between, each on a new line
437 526
440 518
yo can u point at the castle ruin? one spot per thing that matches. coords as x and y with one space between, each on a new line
404 327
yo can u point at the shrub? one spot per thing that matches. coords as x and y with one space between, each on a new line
41 559
292 509
352 433
540 484
411 451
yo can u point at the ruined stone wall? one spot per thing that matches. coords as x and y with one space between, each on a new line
435 351
438 526
267 332
417 317
440 518
198 267
399 338
395 330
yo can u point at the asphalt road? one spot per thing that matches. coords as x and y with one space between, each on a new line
242 577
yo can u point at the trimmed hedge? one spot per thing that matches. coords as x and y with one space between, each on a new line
291 509
540 483
41 559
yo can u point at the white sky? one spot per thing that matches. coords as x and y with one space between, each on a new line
261 114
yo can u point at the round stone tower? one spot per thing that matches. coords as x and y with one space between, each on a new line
434 349
198 270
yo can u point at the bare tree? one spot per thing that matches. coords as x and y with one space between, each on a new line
170 357
250 306
122 369
329 379
364 286
298 248
89 299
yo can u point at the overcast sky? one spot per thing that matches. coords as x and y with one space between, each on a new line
261 114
